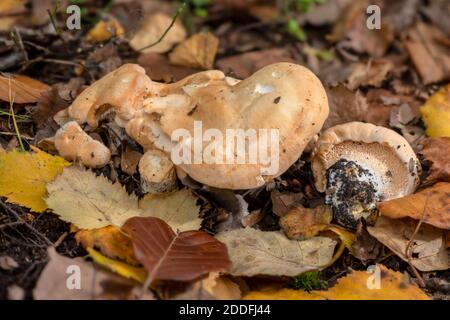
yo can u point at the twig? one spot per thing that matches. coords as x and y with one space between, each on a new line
174 19
11 224
408 251
18 217
16 128
20 43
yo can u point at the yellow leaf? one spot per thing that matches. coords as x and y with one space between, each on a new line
111 241
23 176
104 30
436 113
9 10
178 209
358 285
123 269
23 89
89 201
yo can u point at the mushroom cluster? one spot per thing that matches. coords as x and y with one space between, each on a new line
284 97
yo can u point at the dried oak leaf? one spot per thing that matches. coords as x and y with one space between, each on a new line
254 252
437 151
89 201
179 209
58 282
23 176
369 74
167 255
430 57
354 286
198 51
427 251
23 89
436 113
432 205
110 240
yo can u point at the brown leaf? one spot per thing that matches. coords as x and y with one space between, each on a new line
158 68
365 247
48 104
431 204
282 201
345 106
304 223
427 251
369 74
213 287
352 33
437 150
23 89
130 160
169 256
242 66
430 57
198 51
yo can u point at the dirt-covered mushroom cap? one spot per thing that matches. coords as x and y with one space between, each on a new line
358 164
74 144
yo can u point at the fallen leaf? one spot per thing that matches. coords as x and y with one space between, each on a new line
48 104
111 241
354 286
58 281
430 57
436 113
23 89
432 205
345 106
198 51
213 287
304 223
166 255
436 151
152 29
127 271
283 201
27 187
427 251
89 201
179 209
243 65
9 9
105 59
130 160
365 247
438 12
255 252
158 68
369 74
105 30
252 218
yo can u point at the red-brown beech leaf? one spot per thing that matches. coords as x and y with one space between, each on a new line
167 255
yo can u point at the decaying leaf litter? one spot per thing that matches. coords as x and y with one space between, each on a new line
259 243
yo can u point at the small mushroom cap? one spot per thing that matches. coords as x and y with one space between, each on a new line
73 144
124 89
381 150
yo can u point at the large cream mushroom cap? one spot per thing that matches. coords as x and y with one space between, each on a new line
283 96
380 150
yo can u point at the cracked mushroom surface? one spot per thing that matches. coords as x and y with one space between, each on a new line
359 164
284 97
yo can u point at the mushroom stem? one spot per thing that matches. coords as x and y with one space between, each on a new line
157 172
